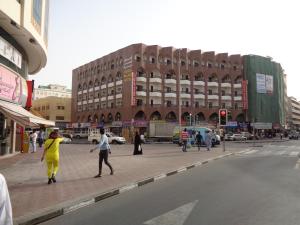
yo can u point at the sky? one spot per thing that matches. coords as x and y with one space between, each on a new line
82 31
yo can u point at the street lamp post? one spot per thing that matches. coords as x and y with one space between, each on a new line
190 119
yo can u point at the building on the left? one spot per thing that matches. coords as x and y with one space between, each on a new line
23 51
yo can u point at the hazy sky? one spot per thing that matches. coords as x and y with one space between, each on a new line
81 31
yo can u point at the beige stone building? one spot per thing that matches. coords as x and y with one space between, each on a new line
55 109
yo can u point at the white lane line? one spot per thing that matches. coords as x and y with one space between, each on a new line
280 153
251 152
266 152
294 153
297 165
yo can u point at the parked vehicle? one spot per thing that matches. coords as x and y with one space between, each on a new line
80 134
237 137
294 135
160 131
66 140
248 135
67 135
228 137
94 137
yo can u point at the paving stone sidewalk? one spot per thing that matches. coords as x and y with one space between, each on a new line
32 196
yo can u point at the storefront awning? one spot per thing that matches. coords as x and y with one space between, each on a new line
22 116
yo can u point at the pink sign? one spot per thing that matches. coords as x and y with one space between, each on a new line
10 85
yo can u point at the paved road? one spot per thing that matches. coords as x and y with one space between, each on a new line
248 189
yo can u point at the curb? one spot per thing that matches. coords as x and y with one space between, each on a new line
43 217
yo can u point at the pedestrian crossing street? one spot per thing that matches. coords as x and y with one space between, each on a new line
272 150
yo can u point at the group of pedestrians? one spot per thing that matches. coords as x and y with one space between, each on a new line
198 140
37 137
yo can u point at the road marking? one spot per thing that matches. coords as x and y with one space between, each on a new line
294 153
128 187
251 152
280 152
266 152
78 206
297 165
181 170
174 217
161 176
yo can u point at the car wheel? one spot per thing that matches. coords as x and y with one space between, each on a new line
114 142
77 136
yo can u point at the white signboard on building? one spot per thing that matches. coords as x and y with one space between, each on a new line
10 53
261 83
269 84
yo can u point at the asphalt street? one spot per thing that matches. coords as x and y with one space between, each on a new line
259 186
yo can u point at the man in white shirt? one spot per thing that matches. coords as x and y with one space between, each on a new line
33 139
5 206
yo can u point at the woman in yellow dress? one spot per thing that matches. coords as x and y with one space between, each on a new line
51 151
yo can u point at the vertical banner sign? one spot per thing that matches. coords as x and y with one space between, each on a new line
269 84
261 83
133 89
245 94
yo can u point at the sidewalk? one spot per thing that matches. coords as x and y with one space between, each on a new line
32 197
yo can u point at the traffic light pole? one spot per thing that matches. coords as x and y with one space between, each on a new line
224 132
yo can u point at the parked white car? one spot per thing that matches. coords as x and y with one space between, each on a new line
94 137
237 137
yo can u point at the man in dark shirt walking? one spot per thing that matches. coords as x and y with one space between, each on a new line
198 140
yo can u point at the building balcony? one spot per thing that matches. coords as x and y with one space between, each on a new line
84 91
239 85
155 94
119 95
97 88
212 84
237 98
84 102
141 93
110 97
226 97
213 97
91 89
170 95
155 80
90 101
141 79
111 84
96 100
185 82
185 95
226 85
79 93
199 83
119 82
170 81
103 99
103 86
199 96
79 103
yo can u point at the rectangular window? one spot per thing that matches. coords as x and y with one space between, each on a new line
210 92
210 105
59 117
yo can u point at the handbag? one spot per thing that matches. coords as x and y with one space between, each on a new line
140 149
